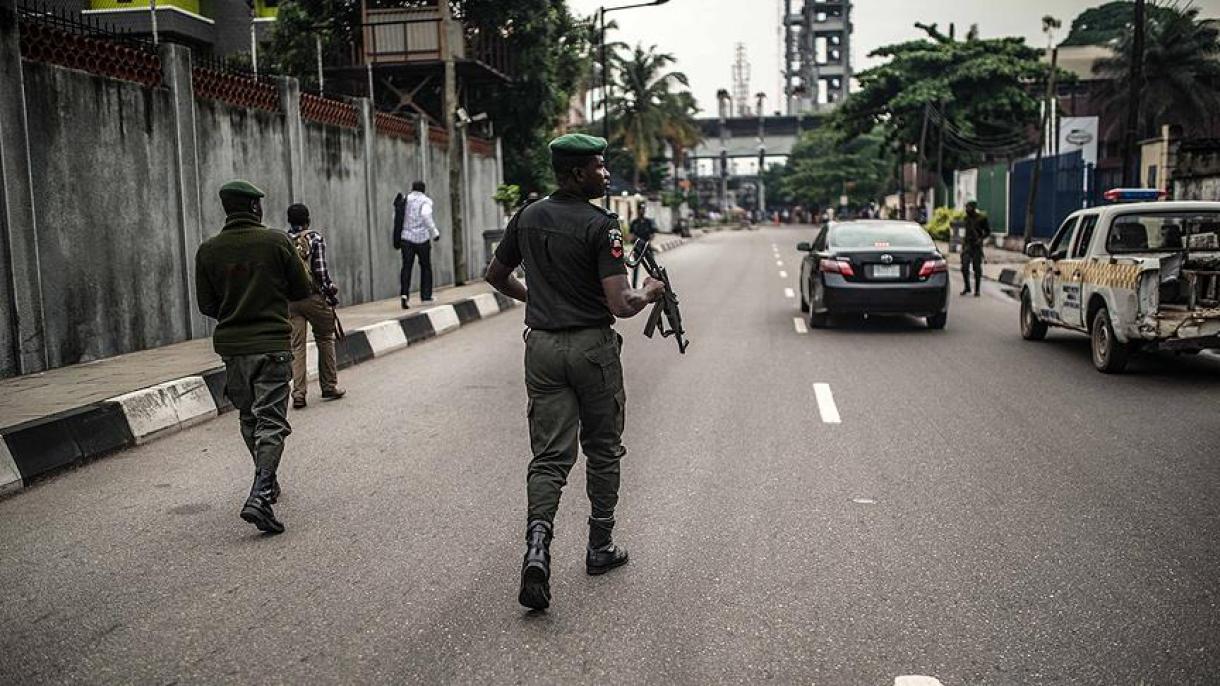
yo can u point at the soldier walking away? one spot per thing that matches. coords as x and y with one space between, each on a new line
977 230
414 232
316 312
642 227
245 276
573 257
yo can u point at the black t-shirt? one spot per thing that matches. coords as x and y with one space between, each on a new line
567 246
643 227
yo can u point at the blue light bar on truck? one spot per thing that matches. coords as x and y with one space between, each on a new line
1134 194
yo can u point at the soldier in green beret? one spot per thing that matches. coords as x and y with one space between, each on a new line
245 276
573 256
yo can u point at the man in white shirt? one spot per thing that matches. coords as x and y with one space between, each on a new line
415 231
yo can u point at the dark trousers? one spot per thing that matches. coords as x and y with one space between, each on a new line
972 257
410 251
575 384
258 387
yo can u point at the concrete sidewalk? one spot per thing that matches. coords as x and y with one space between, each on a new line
30 397
67 416
1004 266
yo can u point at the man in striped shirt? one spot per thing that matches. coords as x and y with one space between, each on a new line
316 311
415 231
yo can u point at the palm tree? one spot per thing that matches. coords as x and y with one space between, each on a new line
646 110
1181 74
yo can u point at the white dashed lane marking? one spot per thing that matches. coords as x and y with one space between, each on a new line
916 680
789 293
783 274
799 324
826 403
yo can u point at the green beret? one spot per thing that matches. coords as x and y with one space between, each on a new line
578 144
241 187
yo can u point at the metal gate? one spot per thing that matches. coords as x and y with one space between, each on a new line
1066 184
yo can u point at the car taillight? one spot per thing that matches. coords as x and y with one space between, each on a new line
837 267
931 267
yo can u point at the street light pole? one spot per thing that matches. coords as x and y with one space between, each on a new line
602 11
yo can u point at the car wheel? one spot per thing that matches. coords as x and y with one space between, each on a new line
817 320
938 321
1032 328
1109 354
804 302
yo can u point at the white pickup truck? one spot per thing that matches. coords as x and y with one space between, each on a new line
1140 276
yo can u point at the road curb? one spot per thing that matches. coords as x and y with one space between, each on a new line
38 448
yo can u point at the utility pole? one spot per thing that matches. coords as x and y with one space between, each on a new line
455 154
1049 24
762 154
1135 84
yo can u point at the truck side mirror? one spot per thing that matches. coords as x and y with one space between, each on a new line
804 246
1037 250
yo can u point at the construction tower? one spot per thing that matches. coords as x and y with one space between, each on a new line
741 83
817 54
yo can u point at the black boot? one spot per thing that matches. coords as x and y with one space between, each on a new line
602 554
275 491
978 286
258 510
536 568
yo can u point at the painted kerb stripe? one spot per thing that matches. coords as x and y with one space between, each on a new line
10 478
384 337
170 406
487 305
444 319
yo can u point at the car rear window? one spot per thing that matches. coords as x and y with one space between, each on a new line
880 235
1164 232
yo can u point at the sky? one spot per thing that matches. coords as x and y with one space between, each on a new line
703 34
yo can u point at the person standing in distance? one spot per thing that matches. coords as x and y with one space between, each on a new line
572 252
642 228
316 312
245 276
977 230
415 230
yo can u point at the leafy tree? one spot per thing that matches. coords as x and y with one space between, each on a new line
986 90
550 46
1106 24
645 109
1181 70
823 167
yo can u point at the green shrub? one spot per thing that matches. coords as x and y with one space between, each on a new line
938 226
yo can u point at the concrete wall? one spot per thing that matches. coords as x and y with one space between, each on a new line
122 182
108 243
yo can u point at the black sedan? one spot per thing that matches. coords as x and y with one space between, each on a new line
874 267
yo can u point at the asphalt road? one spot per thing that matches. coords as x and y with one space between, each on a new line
986 511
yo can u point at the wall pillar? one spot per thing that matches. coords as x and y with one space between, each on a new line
290 104
176 75
22 340
368 133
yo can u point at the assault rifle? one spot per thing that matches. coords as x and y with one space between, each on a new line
667 305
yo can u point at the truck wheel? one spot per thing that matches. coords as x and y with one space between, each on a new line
1032 328
938 321
1109 354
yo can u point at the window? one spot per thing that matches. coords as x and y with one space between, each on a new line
883 235
1164 232
1059 243
1084 237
